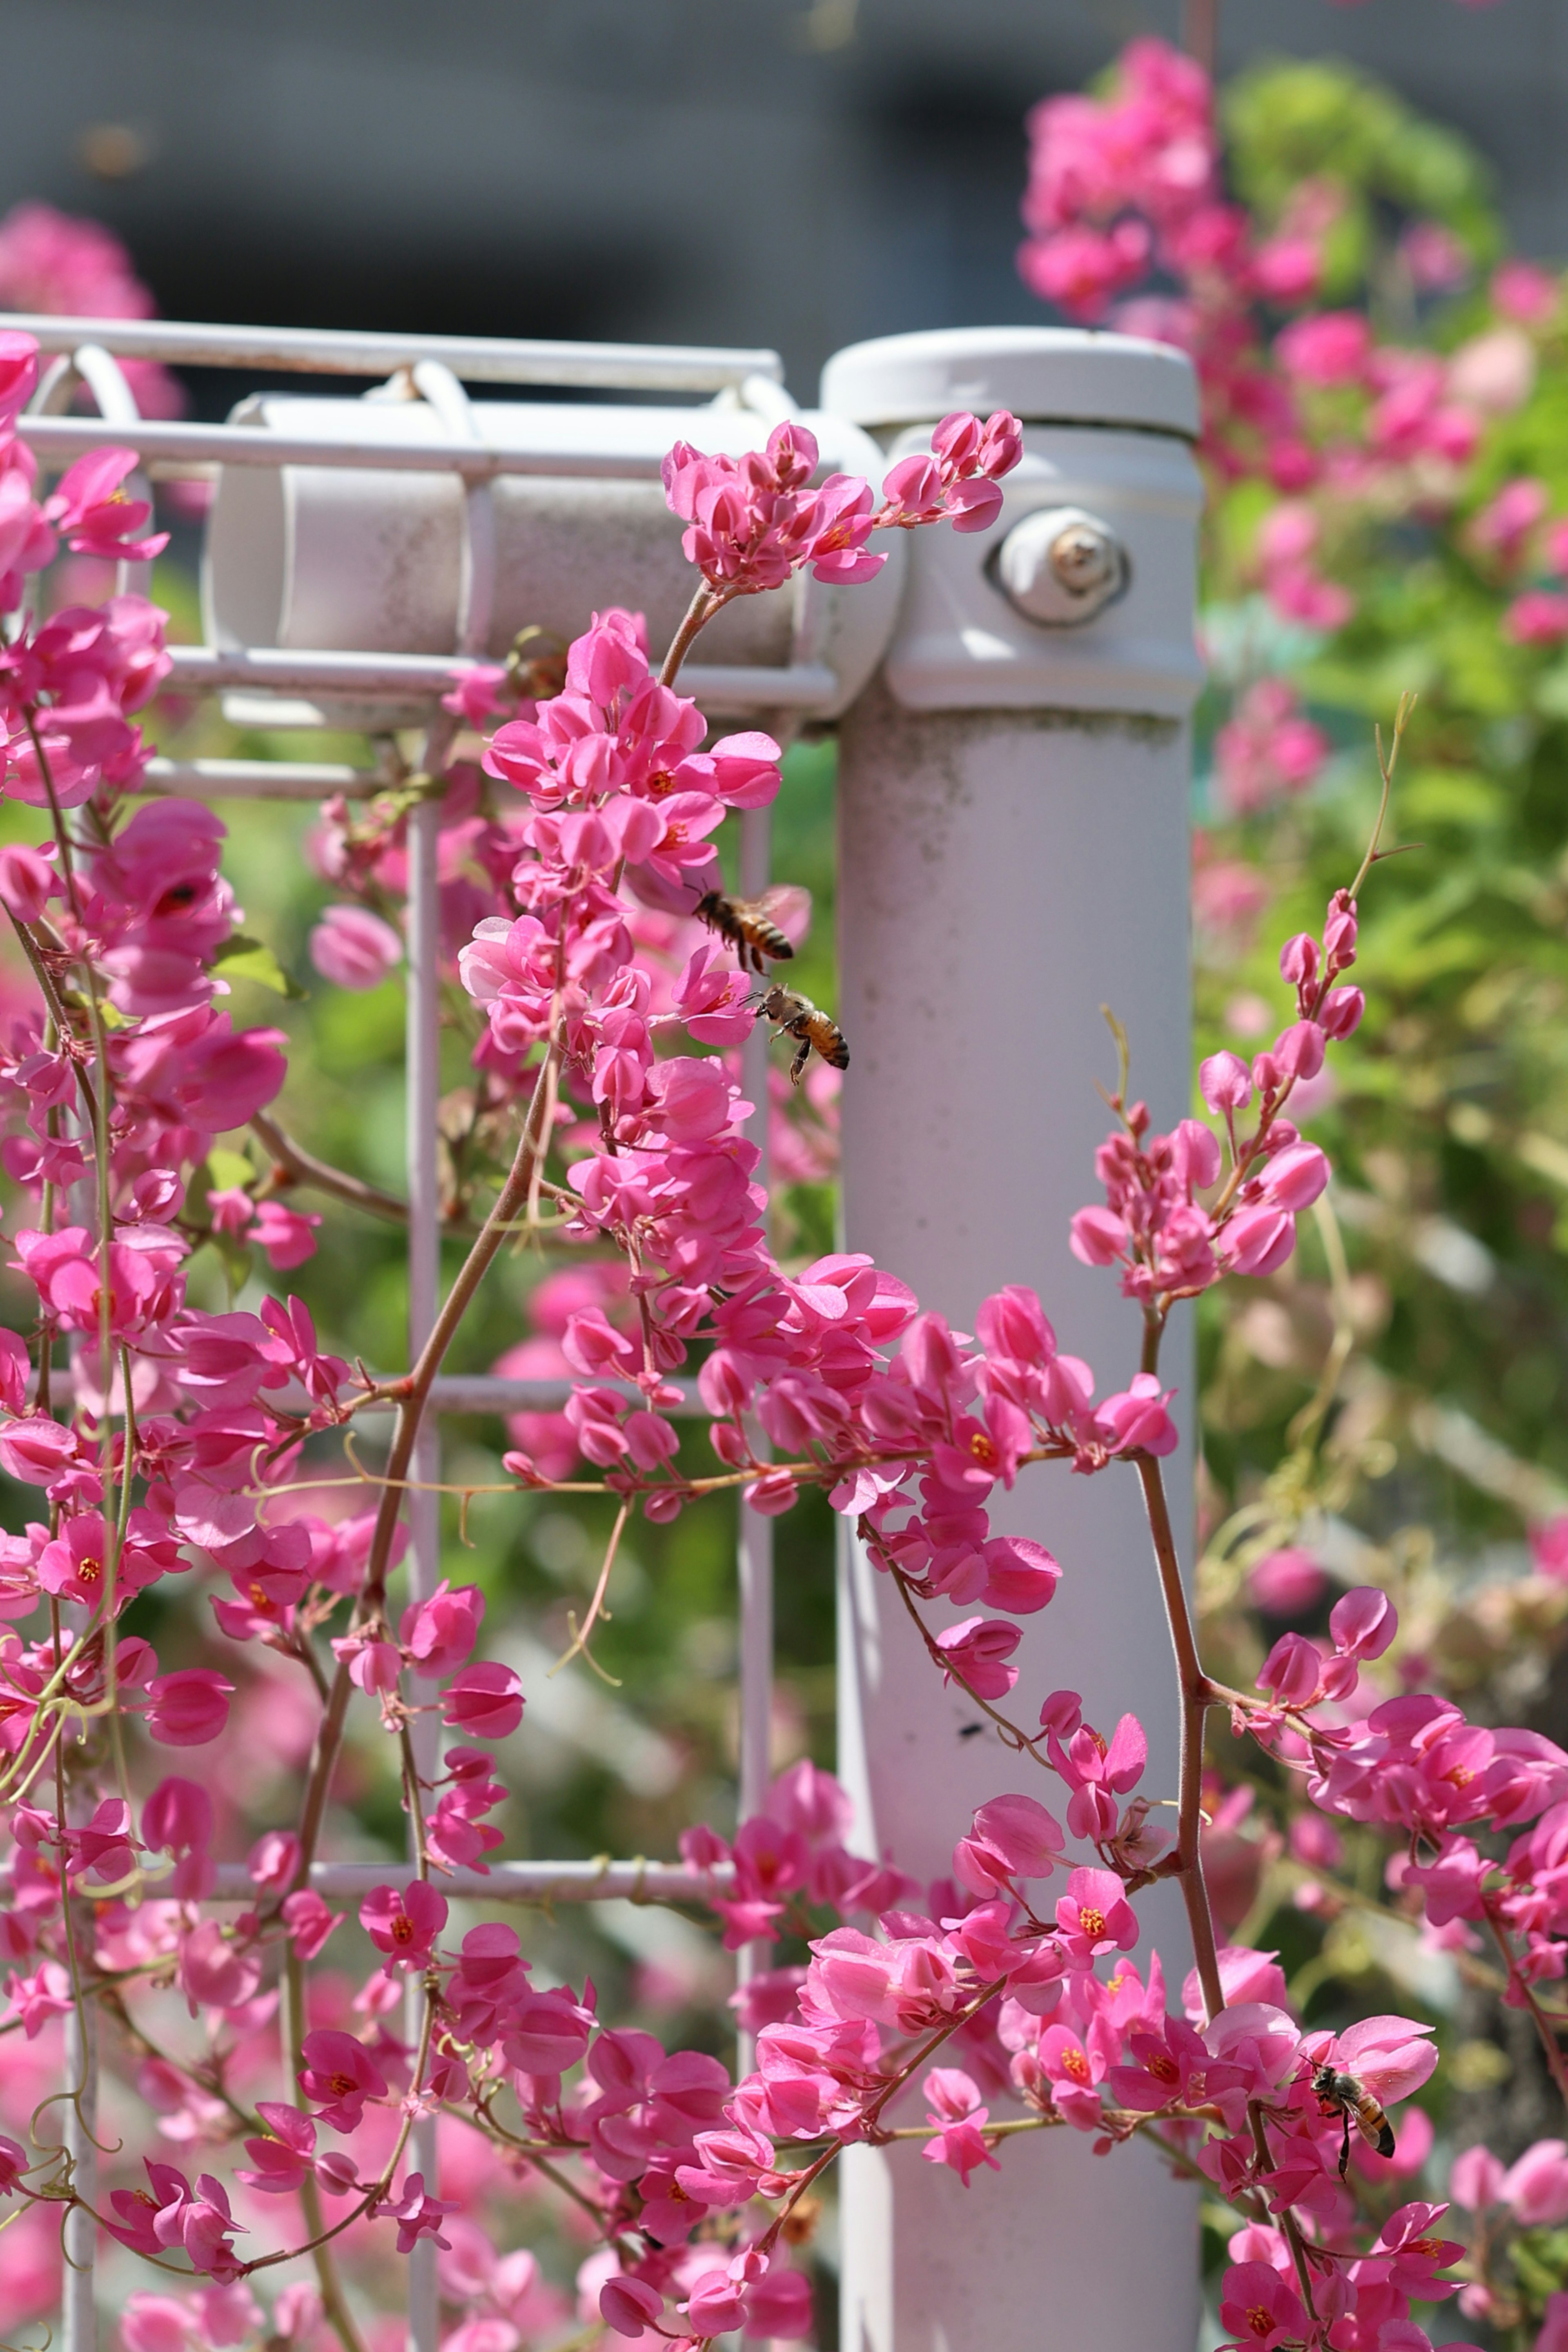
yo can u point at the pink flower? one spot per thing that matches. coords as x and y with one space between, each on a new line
15 2163
188 1709
1137 1421
1477 2179
439 1633
1013 1837
339 2075
485 1702
95 515
1258 2309
1286 1583
354 949
404 1924
27 881
288 1236
630 2306
978 1650
1549 1550
1523 290
1539 617
1081 270
1506 521
309 1921
954 2111
1390 2055
282 2161
1331 348
1265 749
417 2214
1095 1916
1536 2187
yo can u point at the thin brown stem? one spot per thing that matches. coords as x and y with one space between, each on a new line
410 1413
704 604
306 1168
291 2028
1550 2048
1195 1704
580 1632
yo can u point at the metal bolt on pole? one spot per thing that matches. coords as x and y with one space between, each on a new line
1013 811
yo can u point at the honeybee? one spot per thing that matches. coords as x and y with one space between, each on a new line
1343 2094
750 926
797 1016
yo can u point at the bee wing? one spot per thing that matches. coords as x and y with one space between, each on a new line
788 905
1375 2133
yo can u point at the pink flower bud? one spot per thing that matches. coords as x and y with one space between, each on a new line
27 882
1299 959
1258 1241
439 1633
274 1859
1363 1622
354 949
484 1701
1295 1177
1299 1050
1340 931
1340 1013
177 1818
1477 2179
1223 1083
1537 2186
1286 1583
1027 1838
188 1709
956 442
1293 1670
629 2306
977 1651
1098 1237
1000 444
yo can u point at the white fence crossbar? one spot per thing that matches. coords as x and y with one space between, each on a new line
89 352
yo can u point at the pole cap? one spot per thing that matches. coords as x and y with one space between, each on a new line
1046 375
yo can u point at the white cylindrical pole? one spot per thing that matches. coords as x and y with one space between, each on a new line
1014 855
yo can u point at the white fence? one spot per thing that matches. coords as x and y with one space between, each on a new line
1013 793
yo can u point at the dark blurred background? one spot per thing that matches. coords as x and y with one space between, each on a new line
796 173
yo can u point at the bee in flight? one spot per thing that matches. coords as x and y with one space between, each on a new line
799 1017
1343 2096
753 926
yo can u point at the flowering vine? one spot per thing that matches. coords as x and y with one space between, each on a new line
161 1437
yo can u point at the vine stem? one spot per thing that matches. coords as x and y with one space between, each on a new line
291 2024
1196 1702
1550 2048
705 603
410 1413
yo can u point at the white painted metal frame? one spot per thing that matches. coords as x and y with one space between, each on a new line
89 351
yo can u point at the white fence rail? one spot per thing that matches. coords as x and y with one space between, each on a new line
1012 783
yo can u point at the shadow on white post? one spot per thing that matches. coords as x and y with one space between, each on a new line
1013 854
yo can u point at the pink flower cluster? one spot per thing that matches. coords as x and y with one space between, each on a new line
1267 750
753 520
165 1441
76 268
1154 1226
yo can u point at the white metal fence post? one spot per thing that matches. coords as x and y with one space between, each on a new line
79 2239
1013 854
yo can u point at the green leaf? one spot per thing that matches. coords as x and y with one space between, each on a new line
241 957
226 1170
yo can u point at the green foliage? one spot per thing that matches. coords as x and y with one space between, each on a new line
1286 123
